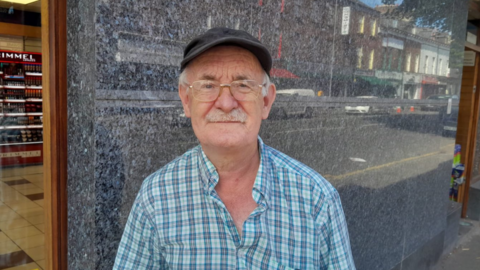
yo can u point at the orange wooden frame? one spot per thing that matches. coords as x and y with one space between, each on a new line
54 50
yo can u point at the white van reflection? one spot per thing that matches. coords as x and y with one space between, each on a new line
366 108
295 111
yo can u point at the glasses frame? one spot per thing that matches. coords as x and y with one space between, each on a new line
223 85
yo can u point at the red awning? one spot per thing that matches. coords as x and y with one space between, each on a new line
282 73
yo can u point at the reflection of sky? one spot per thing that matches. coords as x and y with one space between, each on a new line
374 3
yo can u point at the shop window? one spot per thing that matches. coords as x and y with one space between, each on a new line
370 63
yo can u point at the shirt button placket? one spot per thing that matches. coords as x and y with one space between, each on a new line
240 259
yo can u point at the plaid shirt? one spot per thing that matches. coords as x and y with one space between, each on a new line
179 222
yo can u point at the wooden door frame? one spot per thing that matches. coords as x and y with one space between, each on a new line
54 51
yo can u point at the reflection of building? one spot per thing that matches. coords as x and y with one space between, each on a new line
358 49
417 59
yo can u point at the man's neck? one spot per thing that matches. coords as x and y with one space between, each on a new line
234 165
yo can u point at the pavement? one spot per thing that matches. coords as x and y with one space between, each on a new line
466 255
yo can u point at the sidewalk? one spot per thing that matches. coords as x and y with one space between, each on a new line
466 255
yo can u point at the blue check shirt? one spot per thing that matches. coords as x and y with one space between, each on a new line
179 222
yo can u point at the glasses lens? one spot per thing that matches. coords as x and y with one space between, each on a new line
245 90
205 90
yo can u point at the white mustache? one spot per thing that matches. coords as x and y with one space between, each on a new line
235 115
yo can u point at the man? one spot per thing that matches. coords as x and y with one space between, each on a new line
233 202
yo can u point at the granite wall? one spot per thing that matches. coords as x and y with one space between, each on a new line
386 152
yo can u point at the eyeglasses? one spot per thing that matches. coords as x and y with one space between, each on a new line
242 90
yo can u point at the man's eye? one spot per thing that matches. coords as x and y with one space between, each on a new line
207 86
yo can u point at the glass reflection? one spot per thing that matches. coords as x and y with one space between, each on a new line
367 95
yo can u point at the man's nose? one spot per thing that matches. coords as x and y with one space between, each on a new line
225 101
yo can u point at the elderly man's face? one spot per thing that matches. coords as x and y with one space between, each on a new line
226 64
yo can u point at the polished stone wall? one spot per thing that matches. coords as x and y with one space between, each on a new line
391 164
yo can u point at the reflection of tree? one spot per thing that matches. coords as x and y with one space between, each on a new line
425 13
448 16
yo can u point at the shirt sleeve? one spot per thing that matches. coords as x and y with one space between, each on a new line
334 229
137 249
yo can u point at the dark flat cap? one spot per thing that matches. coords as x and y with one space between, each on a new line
226 36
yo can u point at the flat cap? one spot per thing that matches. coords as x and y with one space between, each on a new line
226 36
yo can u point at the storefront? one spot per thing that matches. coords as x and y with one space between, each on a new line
30 154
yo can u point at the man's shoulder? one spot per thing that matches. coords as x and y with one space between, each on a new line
172 171
293 170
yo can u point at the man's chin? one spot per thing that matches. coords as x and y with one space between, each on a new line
227 139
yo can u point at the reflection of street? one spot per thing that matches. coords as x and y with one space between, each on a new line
335 144
355 149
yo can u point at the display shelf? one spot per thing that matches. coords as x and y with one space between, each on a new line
34 100
28 83
21 100
13 100
21 127
22 114
32 74
15 77
13 87
19 143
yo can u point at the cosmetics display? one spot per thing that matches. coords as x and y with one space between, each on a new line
21 115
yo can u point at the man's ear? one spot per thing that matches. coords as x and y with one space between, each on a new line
185 98
268 100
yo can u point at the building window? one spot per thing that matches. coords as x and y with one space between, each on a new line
434 66
384 66
407 63
440 67
374 27
417 63
361 24
370 62
359 57
394 23
425 68
209 22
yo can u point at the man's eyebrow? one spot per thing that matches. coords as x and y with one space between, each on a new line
241 77
207 77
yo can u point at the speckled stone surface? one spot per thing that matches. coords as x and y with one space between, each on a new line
81 141
125 120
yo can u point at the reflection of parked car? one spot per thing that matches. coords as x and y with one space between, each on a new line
295 111
367 108
449 120
296 92
437 97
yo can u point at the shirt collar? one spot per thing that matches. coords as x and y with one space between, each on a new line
261 186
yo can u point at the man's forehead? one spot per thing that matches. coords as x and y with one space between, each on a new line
226 59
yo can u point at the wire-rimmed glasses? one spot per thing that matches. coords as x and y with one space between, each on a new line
242 90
